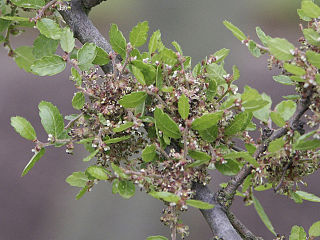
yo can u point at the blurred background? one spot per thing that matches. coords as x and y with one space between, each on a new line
42 206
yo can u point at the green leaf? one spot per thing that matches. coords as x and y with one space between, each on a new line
286 109
276 145
92 155
294 69
183 107
159 77
86 54
76 76
310 9
312 36
196 70
48 66
197 155
156 238
126 189
118 171
102 57
308 196
24 128
165 124
236 31
139 34
199 204
82 192
165 196
33 160
262 36
51 119
206 121
263 215
209 134
117 41
216 72
29 3
78 100
255 51
15 18
303 16
283 79
297 233
138 74
117 139
314 230
154 41
24 57
238 124
115 185
245 155
123 127
277 119
177 47
67 40
292 97
97 172
49 28
246 183
313 58
263 113
263 187
168 56
44 46
77 179
236 73
133 100
230 168
221 55
149 153
252 100
281 48
148 71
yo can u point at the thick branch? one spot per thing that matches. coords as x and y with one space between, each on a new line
83 28
88 4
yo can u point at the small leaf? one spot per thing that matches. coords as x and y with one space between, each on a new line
48 66
149 153
138 74
148 71
77 179
312 36
154 41
221 55
97 172
245 155
76 76
51 119
281 48
86 55
177 47
276 145
314 230
133 100
165 196
165 124
283 79
255 51
44 46
183 107
123 127
206 121
286 109
263 215
24 57
156 238
308 196
117 139
262 36
78 100
209 134
49 28
302 15
236 31
238 124
310 9
102 57
117 41
197 155
115 185
297 233
23 127
199 204
67 40
29 3
138 35
277 119
236 73
15 18
33 160
294 69
92 155
82 192
263 113
313 58
126 189
118 171
230 168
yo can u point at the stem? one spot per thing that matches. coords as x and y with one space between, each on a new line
72 121
43 9
185 146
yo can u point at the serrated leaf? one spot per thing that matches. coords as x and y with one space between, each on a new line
23 127
78 100
168 56
314 230
139 34
90 156
102 57
77 179
126 189
196 70
245 155
297 233
310 9
221 54
292 97
165 124
15 18
51 119
294 69
115 185
156 238
67 40
199 204
281 48
118 171
82 192
117 41
138 74
246 183
49 28
132 100
313 58
165 196
183 107
76 76
209 134
117 139
277 119
24 57
239 123
308 196
303 16
230 168
123 127
283 79
263 215
262 36
197 155
286 109
48 65
33 161
263 113
154 41
255 51
177 47
86 55
97 172
236 73
149 153
211 90
148 71
312 36
44 46
216 72
276 145
235 30
29 3
206 121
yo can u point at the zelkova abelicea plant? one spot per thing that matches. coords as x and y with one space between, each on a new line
153 122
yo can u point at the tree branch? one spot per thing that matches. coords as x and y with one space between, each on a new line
88 4
83 28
